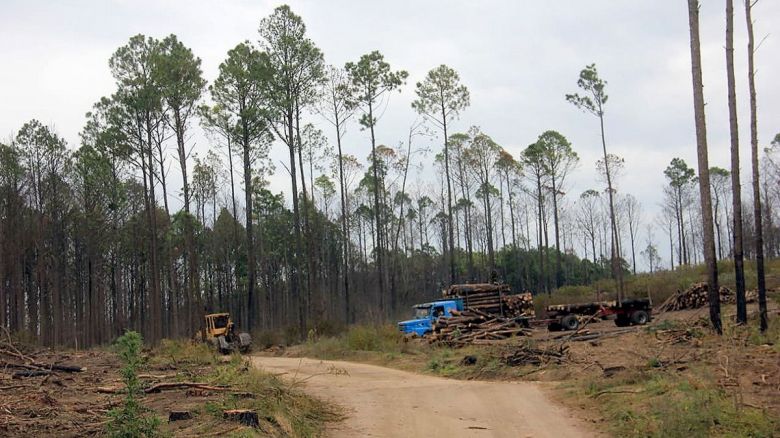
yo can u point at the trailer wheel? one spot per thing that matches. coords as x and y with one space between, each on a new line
622 321
570 322
639 317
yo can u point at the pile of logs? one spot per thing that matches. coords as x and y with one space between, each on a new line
495 299
472 326
696 296
519 305
751 296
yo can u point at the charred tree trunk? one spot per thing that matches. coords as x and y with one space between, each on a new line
757 212
704 168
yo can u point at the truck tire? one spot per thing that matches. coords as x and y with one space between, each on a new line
639 317
622 320
224 347
570 322
244 342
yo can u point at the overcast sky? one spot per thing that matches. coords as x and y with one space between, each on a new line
518 59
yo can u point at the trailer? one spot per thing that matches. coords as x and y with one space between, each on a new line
636 311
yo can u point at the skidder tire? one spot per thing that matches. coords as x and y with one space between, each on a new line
639 317
570 322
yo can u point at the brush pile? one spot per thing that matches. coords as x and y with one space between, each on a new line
473 326
495 299
696 296
19 364
527 355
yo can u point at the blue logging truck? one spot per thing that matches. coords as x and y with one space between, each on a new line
497 300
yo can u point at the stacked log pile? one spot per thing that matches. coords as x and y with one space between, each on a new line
519 305
696 296
473 326
751 296
495 299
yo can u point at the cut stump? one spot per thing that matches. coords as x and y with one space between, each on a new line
179 415
243 416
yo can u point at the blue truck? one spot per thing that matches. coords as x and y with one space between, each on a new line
425 314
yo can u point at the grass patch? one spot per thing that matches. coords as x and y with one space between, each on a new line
654 403
382 343
183 353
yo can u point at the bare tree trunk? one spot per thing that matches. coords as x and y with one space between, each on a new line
344 220
250 237
449 196
704 168
295 275
377 216
739 268
542 285
155 301
757 213
558 273
617 270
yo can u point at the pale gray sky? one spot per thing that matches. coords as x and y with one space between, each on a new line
518 58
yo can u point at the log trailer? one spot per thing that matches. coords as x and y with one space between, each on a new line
627 312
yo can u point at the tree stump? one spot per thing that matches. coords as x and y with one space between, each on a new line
179 415
243 416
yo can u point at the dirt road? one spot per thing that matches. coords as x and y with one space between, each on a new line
383 402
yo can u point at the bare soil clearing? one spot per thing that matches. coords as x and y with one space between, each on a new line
386 402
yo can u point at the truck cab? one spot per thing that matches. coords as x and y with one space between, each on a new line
425 314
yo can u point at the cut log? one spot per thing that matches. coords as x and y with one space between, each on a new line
110 389
179 385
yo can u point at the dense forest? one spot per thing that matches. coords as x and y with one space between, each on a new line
90 247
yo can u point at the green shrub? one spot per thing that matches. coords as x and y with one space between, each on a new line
131 420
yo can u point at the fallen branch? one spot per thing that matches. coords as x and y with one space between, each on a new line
619 391
30 373
156 376
31 364
179 385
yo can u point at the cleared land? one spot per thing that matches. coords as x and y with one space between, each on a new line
386 402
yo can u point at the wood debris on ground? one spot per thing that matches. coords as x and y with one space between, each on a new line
473 326
70 393
528 355
696 296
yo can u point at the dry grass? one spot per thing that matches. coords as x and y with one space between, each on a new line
283 410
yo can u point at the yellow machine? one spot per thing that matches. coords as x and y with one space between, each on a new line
221 332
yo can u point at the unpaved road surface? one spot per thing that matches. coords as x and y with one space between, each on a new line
384 402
